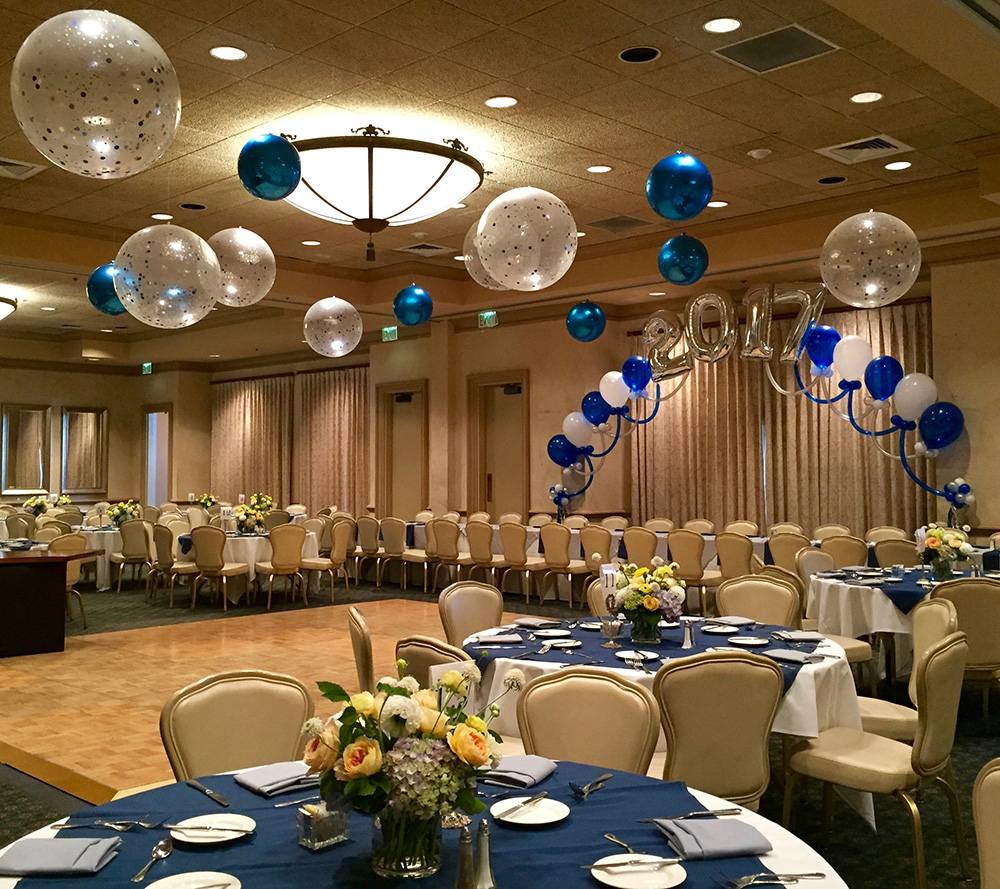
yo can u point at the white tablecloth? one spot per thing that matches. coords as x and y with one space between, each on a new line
110 541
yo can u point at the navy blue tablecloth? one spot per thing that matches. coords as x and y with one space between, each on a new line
991 560
272 859
905 594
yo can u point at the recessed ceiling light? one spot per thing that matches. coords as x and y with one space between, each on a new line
718 204
310 243
581 234
831 180
93 359
866 98
459 258
228 53
898 165
758 154
599 168
458 206
639 54
106 330
215 355
48 308
721 26
657 293
192 206
162 216
501 102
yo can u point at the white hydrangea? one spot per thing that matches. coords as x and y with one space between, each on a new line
400 716
313 727
470 672
410 684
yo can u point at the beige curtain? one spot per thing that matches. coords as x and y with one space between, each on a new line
332 442
82 445
251 438
29 440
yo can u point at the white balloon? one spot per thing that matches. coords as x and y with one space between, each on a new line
167 276
576 427
332 327
248 266
95 94
914 394
958 481
614 390
527 239
970 499
474 265
920 449
851 356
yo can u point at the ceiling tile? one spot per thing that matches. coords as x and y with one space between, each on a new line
195 49
198 81
647 108
17 25
962 101
501 53
695 75
945 132
239 107
308 77
284 24
671 50
723 134
504 12
795 10
805 169
30 197
885 56
954 156
576 24
94 208
566 77
779 148
651 11
437 78
927 80
431 25
197 9
904 114
754 19
371 99
755 102
813 126
839 29
824 73
364 52
355 13
892 90
778 194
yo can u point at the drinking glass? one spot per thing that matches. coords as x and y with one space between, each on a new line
611 629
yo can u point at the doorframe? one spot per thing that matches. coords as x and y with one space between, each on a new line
384 392
476 410
168 409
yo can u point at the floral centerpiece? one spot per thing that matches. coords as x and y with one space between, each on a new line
249 519
942 547
647 596
408 756
36 505
207 500
123 511
261 502
63 500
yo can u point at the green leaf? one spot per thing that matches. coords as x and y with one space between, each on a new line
333 692
468 802
391 690
495 736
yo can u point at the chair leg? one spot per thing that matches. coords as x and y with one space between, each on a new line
121 569
919 866
270 589
304 586
791 778
347 580
79 601
947 781
828 801
225 597
986 700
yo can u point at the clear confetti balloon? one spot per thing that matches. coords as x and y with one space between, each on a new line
474 265
95 94
332 327
870 260
527 239
248 266
167 276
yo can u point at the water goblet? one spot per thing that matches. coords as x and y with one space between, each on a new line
611 629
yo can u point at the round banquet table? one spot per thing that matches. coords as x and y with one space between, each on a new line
557 854
110 540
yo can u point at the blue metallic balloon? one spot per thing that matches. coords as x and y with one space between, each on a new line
412 306
682 260
637 373
964 489
585 321
882 376
101 290
820 342
562 451
679 187
269 167
595 408
940 425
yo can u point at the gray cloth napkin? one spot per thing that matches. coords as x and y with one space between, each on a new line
790 655
59 855
520 771
799 636
733 621
713 838
487 637
277 778
537 623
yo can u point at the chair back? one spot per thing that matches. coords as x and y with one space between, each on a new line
845 549
342 534
896 551
423 652
735 554
785 547
809 561
595 541
659 525
430 546
939 688
885 532
933 620
452 516
480 537
513 540
687 548
20 525
742 526
555 538
824 531
164 507
178 524
91 519
701 526
344 518
326 538
70 543
286 546
510 517
136 538
103 505
393 536
566 715
7 509
425 515
317 526
196 516
234 720
765 600
467 607
640 545
208 543
163 543
536 521
361 642
368 528
296 509
150 513
717 710
47 533
216 509
783 528
597 600
995 540
274 518
576 521
326 510
977 601
446 533
615 522
480 517
72 515
986 814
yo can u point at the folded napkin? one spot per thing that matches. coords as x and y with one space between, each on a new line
799 636
277 778
537 623
869 581
59 855
733 621
790 655
487 637
520 771
713 838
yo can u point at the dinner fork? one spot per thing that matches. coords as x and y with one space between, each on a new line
638 662
764 879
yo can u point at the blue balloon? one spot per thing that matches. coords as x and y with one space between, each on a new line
679 187
585 321
964 489
941 424
637 373
562 451
682 260
101 290
820 342
882 376
269 167
595 408
412 306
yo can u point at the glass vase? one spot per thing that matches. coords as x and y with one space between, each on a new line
406 846
941 569
645 629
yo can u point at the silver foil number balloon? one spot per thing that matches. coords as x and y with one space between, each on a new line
527 239
474 265
167 276
760 303
703 348
661 333
870 260
332 327
95 94
248 266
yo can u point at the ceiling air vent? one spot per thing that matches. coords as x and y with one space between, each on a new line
618 224
12 169
426 250
865 149
778 49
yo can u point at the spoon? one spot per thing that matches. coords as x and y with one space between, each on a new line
623 844
161 850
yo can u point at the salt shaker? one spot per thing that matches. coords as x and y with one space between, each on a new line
484 871
466 876
688 635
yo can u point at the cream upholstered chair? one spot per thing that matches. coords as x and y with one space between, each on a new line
742 526
480 537
735 552
510 517
71 543
393 545
209 546
361 642
196 516
452 516
165 566
216 509
296 509
479 517
596 599
830 530
576 521
896 551
873 764
135 547
368 546
995 540
809 561
696 696
164 507
46 521
467 607
933 620
595 544
232 721
514 541
539 519
150 513
423 652
885 532
785 546
615 522
986 812
446 534
425 515
640 545
783 528
47 533
423 556
274 518
659 525
701 526
341 544
687 549
178 524
558 717
286 560
316 563
20 524
764 599
556 538
845 549
326 539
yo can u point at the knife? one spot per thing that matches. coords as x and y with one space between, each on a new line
211 794
703 813
185 828
506 813
654 863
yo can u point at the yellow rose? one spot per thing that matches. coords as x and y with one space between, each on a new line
363 757
475 722
426 698
641 571
321 752
433 722
455 681
364 703
469 745
650 603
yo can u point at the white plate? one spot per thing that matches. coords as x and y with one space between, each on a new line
748 641
713 630
892 580
195 879
668 625
213 837
627 654
545 811
552 634
590 625
565 643
871 572
638 878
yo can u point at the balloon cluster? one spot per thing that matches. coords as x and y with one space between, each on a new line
679 187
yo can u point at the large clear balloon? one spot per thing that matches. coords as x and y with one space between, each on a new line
851 357
95 94
614 390
701 346
527 239
914 394
332 327
167 276
578 429
474 265
248 266
870 260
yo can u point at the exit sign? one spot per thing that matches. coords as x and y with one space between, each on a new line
390 334
488 318
147 367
